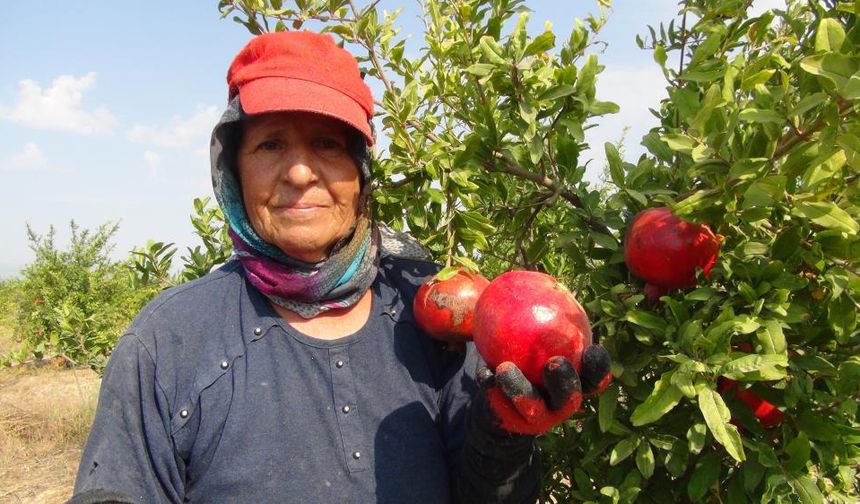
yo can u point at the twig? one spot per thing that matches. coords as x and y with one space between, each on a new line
513 169
787 142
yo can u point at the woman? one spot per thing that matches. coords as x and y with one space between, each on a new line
295 372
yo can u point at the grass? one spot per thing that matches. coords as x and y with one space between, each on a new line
45 416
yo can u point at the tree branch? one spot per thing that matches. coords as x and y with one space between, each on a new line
542 180
792 138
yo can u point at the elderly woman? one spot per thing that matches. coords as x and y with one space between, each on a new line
295 372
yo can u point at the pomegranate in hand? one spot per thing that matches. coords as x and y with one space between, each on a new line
665 251
526 317
444 306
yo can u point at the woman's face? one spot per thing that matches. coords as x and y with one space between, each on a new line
300 186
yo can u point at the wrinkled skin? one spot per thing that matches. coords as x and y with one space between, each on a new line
665 251
444 308
526 318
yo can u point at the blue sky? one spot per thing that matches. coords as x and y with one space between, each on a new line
106 107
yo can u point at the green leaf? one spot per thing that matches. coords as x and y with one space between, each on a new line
830 36
757 78
492 51
834 67
605 241
756 367
645 460
481 69
701 294
646 319
616 168
827 214
798 450
606 408
771 338
556 92
466 263
842 318
763 193
807 103
597 108
698 201
717 416
696 436
851 89
447 273
622 450
637 196
806 490
824 168
705 475
760 116
663 398
542 43
816 429
680 143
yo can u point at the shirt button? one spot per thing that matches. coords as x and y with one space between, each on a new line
258 331
183 413
345 409
224 364
339 364
356 455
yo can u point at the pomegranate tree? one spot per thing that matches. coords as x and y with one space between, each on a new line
444 305
665 251
526 317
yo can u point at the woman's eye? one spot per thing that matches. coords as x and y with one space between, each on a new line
268 145
329 144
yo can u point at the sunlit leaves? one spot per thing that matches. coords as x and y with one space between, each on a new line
717 416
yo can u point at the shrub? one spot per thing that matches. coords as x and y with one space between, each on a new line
74 302
152 265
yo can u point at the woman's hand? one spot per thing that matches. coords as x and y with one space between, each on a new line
521 408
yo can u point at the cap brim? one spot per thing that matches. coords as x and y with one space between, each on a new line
279 94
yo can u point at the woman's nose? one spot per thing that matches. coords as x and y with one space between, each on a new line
299 169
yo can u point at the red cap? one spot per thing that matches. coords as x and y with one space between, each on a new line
301 71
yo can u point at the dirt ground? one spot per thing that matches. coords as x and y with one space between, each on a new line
45 415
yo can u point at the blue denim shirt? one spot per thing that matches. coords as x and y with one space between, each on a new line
211 397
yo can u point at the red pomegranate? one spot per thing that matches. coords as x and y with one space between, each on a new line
526 317
767 413
443 308
665 251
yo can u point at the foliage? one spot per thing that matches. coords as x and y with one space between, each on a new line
73 303
757 138
152 265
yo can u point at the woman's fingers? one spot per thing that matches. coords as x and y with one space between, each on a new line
595 367
561 381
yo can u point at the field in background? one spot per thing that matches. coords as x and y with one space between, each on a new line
45 414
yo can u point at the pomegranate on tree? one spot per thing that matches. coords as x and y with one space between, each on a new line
666 251
767 413
526 317
444 305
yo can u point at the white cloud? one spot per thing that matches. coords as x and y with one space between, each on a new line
31 158
760 6
179 132
59 107
635 90
153 162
